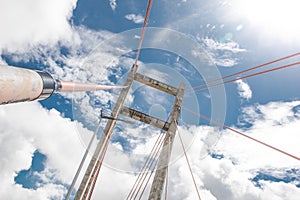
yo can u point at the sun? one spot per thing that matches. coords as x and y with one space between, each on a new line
277 18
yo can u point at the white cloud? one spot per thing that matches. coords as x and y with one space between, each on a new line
113 4
26 127
138 19
229 45
227 178
90 59
271 114
279 191
32 22
244 89
223 54
277 124
230 177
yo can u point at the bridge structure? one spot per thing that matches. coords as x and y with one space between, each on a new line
90 177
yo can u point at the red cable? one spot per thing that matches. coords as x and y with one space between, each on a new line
242 134
247 76
94 181
98 166
136 60
246 70
99 163
188 162
143 31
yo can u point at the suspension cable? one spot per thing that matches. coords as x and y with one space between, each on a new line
153 161
143 31
91 178
188 162
149 174
146 166
83 160
246 70
247 76
242 134
99 161
99 164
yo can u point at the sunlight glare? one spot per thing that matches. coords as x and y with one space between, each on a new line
276 17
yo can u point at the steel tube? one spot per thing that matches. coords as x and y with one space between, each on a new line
18 84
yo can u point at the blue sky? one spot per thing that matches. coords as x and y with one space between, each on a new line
188 41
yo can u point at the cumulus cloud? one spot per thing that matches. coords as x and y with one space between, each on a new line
276 123
224 54
27 127
58 139
138 19
26 25
62 142
228 178
85 61
244 89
